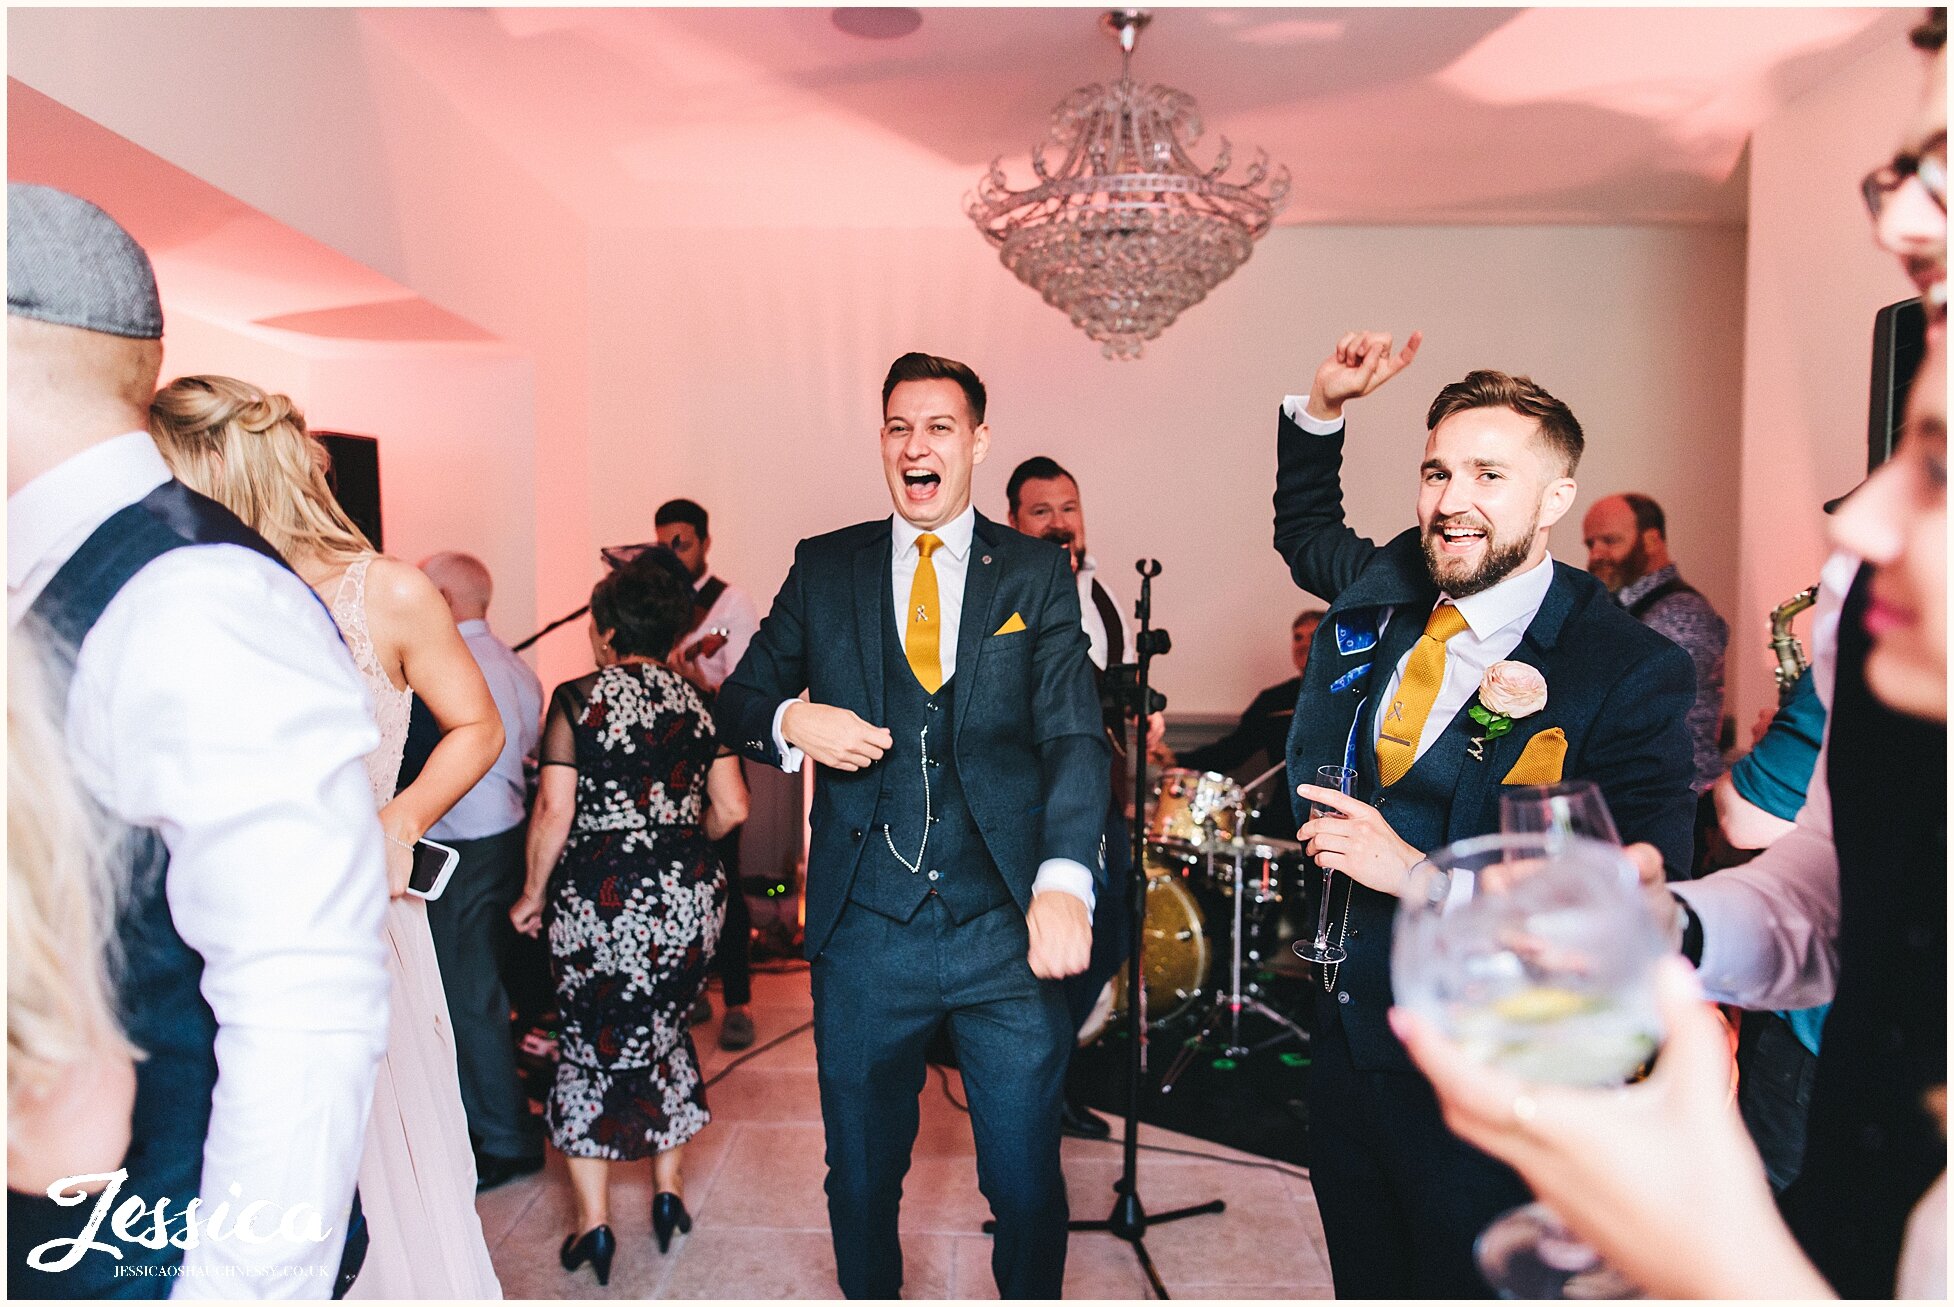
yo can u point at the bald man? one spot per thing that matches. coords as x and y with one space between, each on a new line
1628 551
469 920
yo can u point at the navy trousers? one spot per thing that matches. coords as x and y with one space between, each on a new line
1403 1199
881 989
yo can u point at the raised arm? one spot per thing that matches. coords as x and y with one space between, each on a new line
1323 553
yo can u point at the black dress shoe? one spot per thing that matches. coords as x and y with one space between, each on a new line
668 1214
492 1172
1083 1123
596 1247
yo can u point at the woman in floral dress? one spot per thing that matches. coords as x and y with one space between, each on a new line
623 878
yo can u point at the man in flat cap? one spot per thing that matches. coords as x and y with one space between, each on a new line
212 711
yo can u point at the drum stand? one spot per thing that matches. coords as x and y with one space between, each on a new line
1228 1004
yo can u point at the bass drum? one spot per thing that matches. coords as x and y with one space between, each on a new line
1178 955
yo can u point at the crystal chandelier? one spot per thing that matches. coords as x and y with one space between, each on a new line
1128 231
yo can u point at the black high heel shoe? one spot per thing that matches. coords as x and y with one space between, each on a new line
596 1247
668 1214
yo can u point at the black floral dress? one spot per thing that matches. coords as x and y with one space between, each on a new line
634 910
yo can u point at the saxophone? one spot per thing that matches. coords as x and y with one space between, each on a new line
1790 654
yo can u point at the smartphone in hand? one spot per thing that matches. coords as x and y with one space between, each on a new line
434 866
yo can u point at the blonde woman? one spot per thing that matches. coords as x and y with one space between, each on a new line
71 1074
250 451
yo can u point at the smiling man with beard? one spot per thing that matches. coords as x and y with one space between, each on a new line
1423 632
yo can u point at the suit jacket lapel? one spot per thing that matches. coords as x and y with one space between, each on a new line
979 589
872 601
1479 776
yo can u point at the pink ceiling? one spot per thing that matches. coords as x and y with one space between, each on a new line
216 257
774 117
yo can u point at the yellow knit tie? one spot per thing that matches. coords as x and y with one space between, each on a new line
1424 672
923 642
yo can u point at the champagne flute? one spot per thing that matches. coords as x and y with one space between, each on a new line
1566 808
1322 950
1535 952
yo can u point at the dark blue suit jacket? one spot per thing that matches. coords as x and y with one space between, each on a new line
1030 746
1619 691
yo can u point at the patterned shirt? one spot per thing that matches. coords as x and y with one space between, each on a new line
1687 618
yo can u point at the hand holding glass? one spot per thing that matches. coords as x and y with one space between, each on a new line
1534 951
1322 950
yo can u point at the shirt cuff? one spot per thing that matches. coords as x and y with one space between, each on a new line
1297 408
790 757
1065 876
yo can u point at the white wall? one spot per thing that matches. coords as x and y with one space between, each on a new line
743 368
1815 281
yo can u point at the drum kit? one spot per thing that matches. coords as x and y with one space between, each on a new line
1215 918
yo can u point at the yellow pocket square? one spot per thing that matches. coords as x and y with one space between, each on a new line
1015 622
1540 762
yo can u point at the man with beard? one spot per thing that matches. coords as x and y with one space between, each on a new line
1628 551
1463 614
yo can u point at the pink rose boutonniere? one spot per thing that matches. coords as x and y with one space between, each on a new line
1508 690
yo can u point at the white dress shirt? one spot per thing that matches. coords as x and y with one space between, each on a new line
952 563
1094 622
215 703
498 801
734 611
1496 620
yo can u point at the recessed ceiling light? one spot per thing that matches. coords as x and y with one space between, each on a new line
878 23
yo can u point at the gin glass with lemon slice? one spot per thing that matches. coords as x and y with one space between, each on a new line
1536 953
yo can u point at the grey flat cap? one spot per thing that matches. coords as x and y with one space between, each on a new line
71 264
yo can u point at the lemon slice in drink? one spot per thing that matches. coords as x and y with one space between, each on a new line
1541 1003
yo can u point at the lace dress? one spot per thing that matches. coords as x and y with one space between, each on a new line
417 1173
636 903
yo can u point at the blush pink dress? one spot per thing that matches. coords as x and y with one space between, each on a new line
417 1173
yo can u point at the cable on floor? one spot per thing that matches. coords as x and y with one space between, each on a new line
752 1053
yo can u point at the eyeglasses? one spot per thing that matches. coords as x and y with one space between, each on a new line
1929 164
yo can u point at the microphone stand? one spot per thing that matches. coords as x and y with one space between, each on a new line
561 621
1129 1218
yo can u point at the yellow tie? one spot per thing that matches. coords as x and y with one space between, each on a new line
923 642
1424 672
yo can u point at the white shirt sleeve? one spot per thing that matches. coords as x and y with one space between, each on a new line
1771 925
1296 406
214 702
790 757
1067 877
742 622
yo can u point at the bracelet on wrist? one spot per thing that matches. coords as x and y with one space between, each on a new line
399 844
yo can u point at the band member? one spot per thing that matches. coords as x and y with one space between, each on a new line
723 622
1465 611
1263 734
957 826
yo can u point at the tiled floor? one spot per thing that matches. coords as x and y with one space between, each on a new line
753 1184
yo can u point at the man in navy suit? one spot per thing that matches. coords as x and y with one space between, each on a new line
1413 627
957 827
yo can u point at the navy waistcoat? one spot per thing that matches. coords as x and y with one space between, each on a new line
956 865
